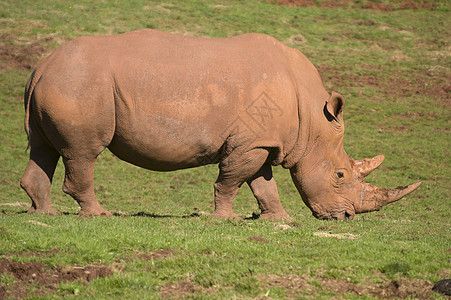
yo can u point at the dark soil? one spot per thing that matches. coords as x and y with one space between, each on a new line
179 289
300 285
30 275
185 288
20 55
311 285
443 287
369 4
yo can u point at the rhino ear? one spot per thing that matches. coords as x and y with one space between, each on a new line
334 107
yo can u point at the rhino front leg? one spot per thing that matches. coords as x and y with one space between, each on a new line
224 195
79 183
264 188
235 170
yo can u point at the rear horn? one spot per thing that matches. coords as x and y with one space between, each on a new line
368 165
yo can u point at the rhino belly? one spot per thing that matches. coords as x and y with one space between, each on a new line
165 144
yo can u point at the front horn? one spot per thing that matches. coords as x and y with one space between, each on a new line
374 197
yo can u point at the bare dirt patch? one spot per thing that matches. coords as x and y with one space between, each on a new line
258 239
186 287
397 128
429 115
296 39
21 55
334 77
305 284
179 289
27 275
436 85
376 5
157 254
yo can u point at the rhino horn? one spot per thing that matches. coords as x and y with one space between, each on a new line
368 165
374 197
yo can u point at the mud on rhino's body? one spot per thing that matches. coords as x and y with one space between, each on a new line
167 102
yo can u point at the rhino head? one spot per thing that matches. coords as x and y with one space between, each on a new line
331 183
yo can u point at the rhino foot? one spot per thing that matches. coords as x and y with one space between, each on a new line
225 215
94 212
50 211
275 216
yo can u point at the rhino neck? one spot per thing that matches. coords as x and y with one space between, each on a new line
310 98
306 136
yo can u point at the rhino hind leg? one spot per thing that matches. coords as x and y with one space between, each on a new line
79 184
264 188
38 175
234 170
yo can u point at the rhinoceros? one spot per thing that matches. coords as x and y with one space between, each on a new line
167 102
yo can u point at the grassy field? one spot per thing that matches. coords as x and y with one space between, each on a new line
393 68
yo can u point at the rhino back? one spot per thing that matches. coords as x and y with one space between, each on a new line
167 102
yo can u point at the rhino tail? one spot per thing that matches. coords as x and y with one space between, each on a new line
27 98
29 89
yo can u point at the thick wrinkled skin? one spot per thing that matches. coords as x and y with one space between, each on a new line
166 102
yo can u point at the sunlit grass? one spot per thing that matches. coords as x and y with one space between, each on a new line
381 63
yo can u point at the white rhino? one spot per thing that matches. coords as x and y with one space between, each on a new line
167 102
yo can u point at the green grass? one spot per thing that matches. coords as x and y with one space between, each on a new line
392 68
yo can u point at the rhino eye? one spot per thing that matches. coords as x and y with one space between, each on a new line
340 175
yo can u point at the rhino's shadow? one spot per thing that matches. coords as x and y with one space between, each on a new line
153 215
138 214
